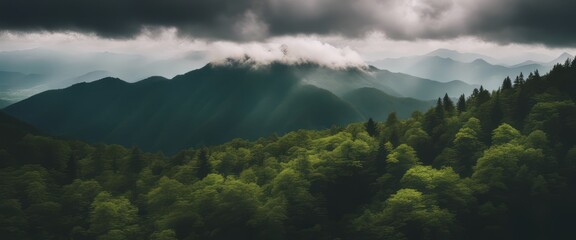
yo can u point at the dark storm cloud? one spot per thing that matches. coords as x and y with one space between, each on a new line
549 22
504 21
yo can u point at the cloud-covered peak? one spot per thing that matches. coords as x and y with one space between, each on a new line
291 51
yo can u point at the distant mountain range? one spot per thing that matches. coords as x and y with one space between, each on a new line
15 86
69 64
217 103
448 65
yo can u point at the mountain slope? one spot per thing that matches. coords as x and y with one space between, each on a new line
206 106
371 102
393 84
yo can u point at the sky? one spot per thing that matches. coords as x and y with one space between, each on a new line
337 32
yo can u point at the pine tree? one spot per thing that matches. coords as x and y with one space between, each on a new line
204 167
461 105
507 84
371 128
439 108
447 103
392 119
519 80
136 162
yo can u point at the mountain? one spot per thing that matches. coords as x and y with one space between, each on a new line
16 80
560 59
213 104
4 103
394 84
459 56
14 86
87 77
64 65
442 69
447 65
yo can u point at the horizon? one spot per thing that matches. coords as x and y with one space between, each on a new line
193 33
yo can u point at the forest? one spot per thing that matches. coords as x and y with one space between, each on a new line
492 165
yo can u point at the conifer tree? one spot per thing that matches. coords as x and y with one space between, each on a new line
204 167
447 103
461 105
507 84
371 128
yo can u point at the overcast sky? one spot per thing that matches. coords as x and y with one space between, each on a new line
347 29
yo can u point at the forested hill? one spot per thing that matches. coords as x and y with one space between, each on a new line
494 165
216 104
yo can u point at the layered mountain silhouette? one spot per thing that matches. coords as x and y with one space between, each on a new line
217 103
448 65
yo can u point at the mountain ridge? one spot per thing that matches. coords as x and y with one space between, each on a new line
201 107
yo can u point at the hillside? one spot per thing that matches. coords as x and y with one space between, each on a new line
206 106
495 165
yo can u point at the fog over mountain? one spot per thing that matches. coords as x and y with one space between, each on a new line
447 65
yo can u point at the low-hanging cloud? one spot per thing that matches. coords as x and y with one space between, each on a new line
287 51
545 22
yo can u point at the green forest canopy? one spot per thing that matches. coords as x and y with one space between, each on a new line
494 165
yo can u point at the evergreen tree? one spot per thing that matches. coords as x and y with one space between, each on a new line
483 96
519 80
439 110
507 84
136 162
461 105
448 104
392 119
371 128
204 167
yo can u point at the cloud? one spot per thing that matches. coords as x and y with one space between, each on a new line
545 22
287 50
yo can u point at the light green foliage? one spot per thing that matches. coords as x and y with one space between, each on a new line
165 194
407 212
468 147
444 185
113 218
401 159
505 134
500 164
416 137
232 160
164 235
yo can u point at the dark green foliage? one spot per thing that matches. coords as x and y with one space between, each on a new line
371 128
204 167
490 172
461 105
507 84
448 104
